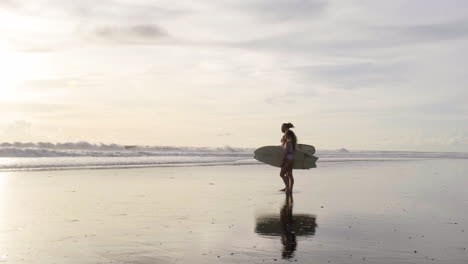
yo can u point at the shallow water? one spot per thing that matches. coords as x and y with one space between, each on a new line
413 211
104 157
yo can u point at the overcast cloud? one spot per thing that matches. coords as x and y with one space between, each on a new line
361 74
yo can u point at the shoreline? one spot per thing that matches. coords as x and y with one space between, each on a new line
55 163
195 214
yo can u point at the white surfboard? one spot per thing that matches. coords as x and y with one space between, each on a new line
308 149
273 155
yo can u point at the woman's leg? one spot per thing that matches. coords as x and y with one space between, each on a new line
290 178
283 175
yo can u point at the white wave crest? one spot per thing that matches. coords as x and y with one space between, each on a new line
85 149
46 156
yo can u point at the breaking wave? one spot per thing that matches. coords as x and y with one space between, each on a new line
85 149
84 155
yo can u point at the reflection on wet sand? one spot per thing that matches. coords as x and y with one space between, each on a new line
287 225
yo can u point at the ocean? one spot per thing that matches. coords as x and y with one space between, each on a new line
84 155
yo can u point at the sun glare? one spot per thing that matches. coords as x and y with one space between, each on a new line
3 177
15 69
8 77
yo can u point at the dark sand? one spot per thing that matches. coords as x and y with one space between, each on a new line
362 212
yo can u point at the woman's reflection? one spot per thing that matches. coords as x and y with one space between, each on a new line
288 235
287 225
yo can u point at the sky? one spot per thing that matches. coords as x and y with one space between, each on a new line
359 74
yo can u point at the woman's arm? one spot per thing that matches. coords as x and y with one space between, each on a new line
286 148
283 140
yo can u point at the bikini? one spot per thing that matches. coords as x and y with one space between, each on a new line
288 148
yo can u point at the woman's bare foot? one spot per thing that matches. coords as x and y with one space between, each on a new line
283 190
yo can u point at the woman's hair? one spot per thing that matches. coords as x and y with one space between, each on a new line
288 125
293 137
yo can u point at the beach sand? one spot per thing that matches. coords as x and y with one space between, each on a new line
359 212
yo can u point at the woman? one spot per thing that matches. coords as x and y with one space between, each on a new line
289 142
285 127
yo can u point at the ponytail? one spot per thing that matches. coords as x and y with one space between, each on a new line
293 137
288 125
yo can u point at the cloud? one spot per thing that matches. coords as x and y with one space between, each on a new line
282 10
142 34
59 83
60 88
64 25
443 108
460 140
35 108
384 36
354 75
121 34
104 10
8 4
131 34
354 38
19 130
109 10
355 61
288 97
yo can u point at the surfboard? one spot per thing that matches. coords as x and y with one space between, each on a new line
273 155
308 149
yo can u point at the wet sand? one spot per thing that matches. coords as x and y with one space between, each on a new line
361 212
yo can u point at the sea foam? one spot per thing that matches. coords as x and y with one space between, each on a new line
85 155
